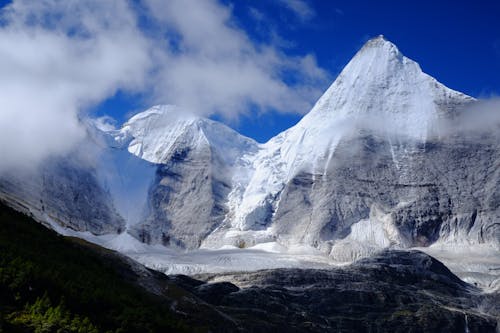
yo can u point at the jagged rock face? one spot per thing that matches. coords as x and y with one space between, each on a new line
74 195
198 161
65 192
375 163
446 190
379 90
186 200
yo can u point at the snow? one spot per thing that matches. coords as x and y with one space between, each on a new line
155 134
478 264
227 260
370 91
152 134
367 236
224 259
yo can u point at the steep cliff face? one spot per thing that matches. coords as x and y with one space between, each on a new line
446 191
379 91
197 163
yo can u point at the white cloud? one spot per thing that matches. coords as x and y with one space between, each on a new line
478 118
216 68
58 58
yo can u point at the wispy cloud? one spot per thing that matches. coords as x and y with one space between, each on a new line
58 58
300 8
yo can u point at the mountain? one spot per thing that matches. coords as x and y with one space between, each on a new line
198 161
373 164
52 283
378 162
379 89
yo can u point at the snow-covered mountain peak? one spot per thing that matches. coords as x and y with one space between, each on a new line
380 82
163 130
381 44
162 113
379 89
151 134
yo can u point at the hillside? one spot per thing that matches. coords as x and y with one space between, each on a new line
50 283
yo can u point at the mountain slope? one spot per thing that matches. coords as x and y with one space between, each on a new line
64 191
379 89
392 291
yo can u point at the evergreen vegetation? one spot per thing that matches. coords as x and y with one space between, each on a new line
49 283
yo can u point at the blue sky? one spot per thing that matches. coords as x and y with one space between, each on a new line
457 42
258 66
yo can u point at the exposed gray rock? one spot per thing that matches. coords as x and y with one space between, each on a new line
65 192
394 291
186 200
446 189
376 163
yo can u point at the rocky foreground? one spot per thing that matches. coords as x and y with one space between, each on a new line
393 291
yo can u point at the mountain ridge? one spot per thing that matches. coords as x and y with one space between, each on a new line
368 167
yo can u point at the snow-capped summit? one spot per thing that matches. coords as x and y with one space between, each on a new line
159 132
152 134
380 89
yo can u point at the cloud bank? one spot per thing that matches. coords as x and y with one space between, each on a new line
58 58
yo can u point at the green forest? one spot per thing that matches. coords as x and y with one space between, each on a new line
51 283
